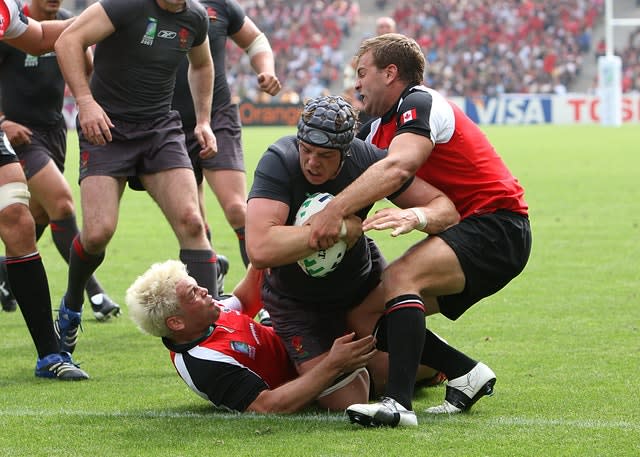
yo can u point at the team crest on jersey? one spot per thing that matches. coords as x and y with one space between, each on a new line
150 32
244 348
213 14
407 116
183 34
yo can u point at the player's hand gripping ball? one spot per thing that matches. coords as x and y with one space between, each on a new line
324 261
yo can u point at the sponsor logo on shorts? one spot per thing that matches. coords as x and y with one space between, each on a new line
84 162
296 342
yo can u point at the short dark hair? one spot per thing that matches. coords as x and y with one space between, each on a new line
399 50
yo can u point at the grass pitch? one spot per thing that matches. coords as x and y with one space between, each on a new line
563 337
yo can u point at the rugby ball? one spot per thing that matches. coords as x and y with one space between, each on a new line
324 261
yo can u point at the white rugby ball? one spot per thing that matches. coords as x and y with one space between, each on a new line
324 261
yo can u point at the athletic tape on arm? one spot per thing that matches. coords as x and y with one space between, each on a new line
422 218
260 44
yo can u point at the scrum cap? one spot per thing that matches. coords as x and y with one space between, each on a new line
328 121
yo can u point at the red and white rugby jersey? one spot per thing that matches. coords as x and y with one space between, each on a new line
233 363
463 163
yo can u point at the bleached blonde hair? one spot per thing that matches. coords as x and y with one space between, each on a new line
152 297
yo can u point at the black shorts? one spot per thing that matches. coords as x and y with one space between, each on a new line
492 250
137 148
7 154
308 329
46 144
225 123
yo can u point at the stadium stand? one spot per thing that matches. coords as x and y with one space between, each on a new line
306 38
473 47
509 46
630 56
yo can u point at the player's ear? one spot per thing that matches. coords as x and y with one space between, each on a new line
391 72
174 323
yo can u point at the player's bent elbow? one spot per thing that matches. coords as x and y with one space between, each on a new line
258 258
261 255
59 45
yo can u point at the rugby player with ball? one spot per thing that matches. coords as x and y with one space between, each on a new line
307 293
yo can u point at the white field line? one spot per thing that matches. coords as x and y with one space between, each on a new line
506 421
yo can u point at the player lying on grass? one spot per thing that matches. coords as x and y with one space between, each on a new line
223 354
226 357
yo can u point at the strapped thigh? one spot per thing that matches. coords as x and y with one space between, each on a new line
14 192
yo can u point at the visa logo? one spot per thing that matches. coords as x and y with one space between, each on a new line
508 109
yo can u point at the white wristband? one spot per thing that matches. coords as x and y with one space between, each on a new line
422 218
343 229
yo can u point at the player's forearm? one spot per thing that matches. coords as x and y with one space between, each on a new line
73 65
263 63
39 37
440 214
201 85
278 245
380 180
438 211
296 394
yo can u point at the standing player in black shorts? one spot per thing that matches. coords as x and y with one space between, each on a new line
431 138
225 172
126 128
25 269
32 96
309 313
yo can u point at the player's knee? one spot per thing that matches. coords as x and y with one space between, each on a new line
17 230
62 209
191 224
18 219
14 207
235 213
96 238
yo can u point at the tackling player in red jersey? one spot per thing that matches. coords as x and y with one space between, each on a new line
447 272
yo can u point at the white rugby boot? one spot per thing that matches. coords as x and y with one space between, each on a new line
465 390
387 412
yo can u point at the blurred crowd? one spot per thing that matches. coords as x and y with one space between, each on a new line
473 47
631 63
481 47
306 38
